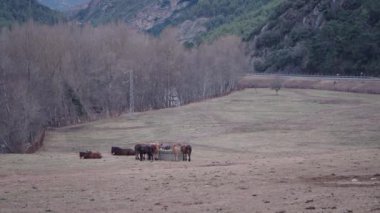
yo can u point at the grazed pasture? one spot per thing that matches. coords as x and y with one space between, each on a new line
253 151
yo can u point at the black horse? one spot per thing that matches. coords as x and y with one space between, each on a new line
142 149
121 151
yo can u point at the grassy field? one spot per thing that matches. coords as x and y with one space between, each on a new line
243 119
253 151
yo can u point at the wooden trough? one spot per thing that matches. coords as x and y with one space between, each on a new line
167 155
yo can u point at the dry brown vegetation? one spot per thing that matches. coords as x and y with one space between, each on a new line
52 76
299 151
322 83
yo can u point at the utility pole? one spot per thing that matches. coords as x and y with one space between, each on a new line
30 18
28 68
131 93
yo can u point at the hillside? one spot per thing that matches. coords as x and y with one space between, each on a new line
105 11
63 5
142 13
12 11
219 17
303 36
320 37
197 20
223 17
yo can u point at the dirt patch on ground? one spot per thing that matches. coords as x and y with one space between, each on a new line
278 125
346 181
82 127
337 101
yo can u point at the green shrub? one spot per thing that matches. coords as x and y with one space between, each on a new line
268 39
259 65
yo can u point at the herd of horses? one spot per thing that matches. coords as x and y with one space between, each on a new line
150 151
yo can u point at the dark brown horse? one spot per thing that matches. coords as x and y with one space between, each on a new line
121 151
142 149
186 151
82 154
155 150
90 155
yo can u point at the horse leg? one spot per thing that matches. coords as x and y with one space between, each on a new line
141 156
189 157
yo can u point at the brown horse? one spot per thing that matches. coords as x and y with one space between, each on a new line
155 150
186 151
176 148
90 155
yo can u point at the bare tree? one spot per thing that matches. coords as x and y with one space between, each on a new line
65 74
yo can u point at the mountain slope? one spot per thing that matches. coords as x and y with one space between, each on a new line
224 17
21 10
320 37
298 36
141 14
105 11
197 19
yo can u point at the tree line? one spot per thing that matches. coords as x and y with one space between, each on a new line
52 76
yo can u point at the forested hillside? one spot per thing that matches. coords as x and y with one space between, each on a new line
224 17
18 11
320 37
140 14
106 11
297 36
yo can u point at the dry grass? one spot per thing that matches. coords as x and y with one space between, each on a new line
252 151
344 85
